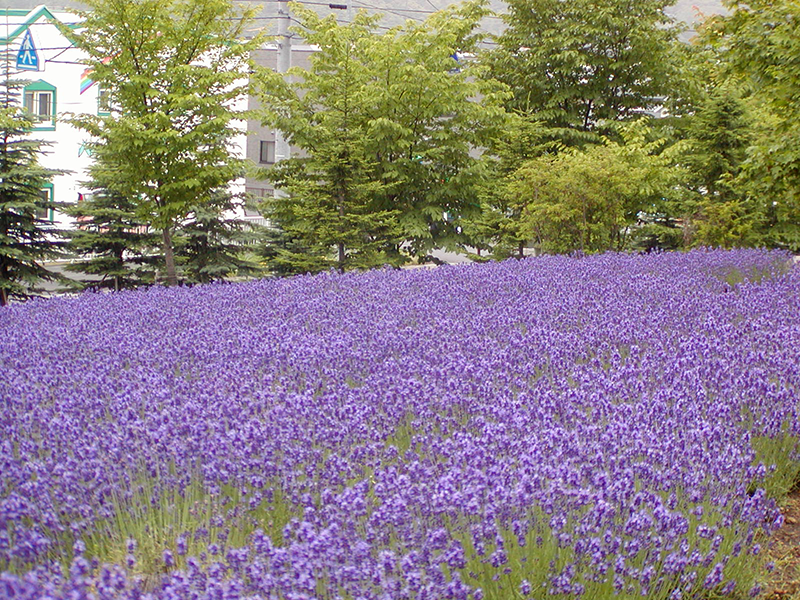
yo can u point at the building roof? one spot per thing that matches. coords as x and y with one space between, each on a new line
15 21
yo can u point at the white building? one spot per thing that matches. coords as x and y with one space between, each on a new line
57 85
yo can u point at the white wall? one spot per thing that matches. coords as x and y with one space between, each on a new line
58 65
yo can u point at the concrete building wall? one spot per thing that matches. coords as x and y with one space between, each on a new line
260 148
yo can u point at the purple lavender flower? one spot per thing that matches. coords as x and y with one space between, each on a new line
385 433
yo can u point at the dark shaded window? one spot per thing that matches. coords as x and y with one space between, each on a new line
267 155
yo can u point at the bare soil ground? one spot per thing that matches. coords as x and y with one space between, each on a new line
784 582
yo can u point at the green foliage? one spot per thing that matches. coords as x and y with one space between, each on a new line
497 230
576 64
209 245
770 179
26 236
328 211
716 212
719 133
173 71
759 43
387 123
729 224
592 200
119 244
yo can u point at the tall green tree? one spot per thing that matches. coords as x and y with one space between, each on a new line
716 212
173 70
759 43
27 237
579 63
326 214
497 231
387 124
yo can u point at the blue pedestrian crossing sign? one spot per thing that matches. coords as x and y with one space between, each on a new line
27 57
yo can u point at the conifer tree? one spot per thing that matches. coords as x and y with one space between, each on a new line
119 245
717 212
27 238
210 243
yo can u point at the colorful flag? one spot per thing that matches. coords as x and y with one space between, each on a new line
86 80
86 77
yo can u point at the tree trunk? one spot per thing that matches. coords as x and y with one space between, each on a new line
3 291
169 257
340 246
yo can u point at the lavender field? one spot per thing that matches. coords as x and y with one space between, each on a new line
610 426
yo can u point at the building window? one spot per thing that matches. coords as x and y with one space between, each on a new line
267 155
39 101
103 101
45 211
40 105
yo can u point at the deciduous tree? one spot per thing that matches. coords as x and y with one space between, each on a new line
593 200
576 64
173 71
388 124
758 42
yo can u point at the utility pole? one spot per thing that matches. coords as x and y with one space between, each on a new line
283 65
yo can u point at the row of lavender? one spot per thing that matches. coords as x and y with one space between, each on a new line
556 426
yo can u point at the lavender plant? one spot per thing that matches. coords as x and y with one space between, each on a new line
610 426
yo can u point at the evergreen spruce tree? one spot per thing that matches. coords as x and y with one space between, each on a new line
118 244
717 212
26 237
210 245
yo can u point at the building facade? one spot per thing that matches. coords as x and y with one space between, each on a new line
57 85
54 86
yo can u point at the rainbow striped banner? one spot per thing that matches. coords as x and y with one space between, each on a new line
86 77
86 80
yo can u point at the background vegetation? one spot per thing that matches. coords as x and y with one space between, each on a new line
581 127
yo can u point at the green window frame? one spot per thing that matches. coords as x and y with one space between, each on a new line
39 101
48 213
